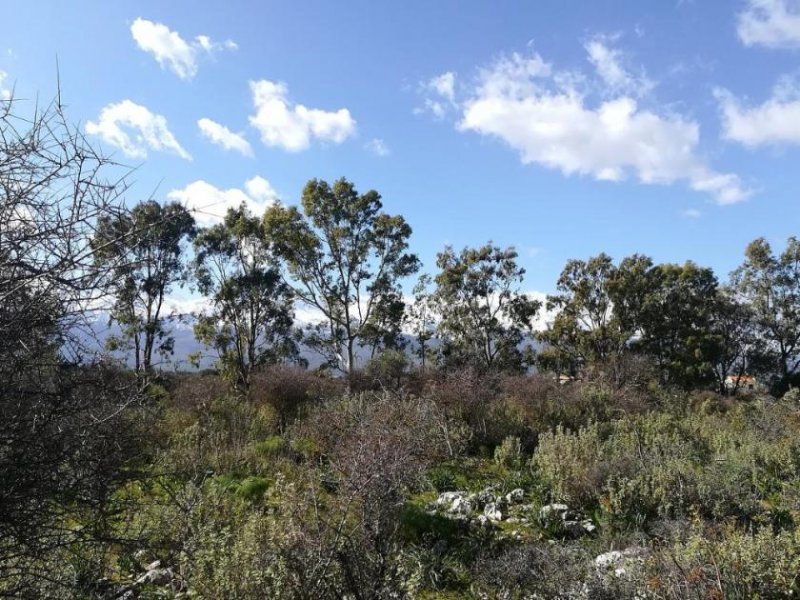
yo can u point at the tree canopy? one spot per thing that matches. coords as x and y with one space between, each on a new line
345 258
484 317
252 318
143 250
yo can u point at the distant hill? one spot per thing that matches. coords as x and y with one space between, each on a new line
94 337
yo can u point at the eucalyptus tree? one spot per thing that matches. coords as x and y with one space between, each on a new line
143 248
737 342
605 312
770 284
252 315
421 317
384 330
345 258
676 323
596 313
484 317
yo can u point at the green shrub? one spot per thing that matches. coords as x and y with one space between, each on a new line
272 446
305 447
252 488
509 453
792 396
661 466
442 478
728 562
388 368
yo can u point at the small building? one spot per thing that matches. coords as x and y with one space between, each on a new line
746 383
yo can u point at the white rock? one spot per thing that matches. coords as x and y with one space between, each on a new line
493 512
515 496
446 499
551 511
156 577
608 559
461 506
482 498
620 563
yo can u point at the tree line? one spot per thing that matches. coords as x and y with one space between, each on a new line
342 255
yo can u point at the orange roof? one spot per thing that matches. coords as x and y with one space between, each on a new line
741 378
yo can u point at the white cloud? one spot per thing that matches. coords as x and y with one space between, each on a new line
544 318
776 121
171 50
378 147
770 23
305 314
210 46
607 62
691 213
261 190
294 126
444 85
183 304
5 92
440 92
134 129
435 107
222 136
544 115
209 204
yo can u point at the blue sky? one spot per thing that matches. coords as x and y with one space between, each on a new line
564 128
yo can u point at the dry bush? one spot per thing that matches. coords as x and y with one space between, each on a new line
466 396
533 570
291 390
191 392
332 531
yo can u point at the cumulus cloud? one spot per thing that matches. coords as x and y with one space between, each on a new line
171 50
183 304
222 136
550 120
261 190
439 95
544 318
378 147
770 23
209 204
775 121
444 85
293 127
607 61
134 129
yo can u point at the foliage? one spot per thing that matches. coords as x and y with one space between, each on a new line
509 453
596 313
251 322
770 285
484 316
142 250
421 316
346 258
660 466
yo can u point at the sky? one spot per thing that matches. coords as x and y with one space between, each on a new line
562 128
